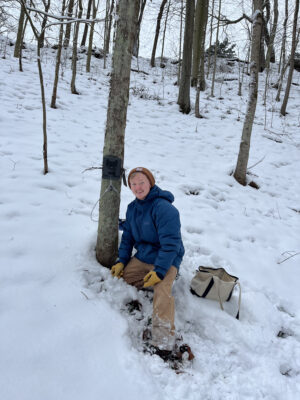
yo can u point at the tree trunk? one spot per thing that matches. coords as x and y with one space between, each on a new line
107 239
262 57
136 44
292 62
267 36
242 162
45 18
109 26
106 22
68 27
161 10
201 15
21 47
270 48
19 43
45 139
86 26
89 52
216 52
282 51
283 71
74 53
39 63
210 36
58 56
185 80
180 43
164 36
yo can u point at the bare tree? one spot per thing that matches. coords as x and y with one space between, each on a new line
282 51
279 82
201 15
242 161
91 36
216 52
37 35
74 53
159 17
292 60
270 48
58 56
164 36
19 43
113 152
86 26
180 42
210 36
137 35
185 80
44 22
68 27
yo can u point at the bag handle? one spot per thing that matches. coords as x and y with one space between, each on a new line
217 283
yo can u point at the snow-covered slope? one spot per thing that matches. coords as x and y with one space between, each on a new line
65 329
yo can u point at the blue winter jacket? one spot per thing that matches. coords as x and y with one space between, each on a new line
152 227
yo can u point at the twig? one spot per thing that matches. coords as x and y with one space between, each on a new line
89 169
258 162
293 255
140 72
84 294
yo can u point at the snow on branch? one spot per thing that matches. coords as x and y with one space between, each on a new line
64 18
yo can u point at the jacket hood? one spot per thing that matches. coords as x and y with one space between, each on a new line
157 192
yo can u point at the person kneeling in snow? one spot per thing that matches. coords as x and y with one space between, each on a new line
152 226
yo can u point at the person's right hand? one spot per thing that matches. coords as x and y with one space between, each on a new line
117 269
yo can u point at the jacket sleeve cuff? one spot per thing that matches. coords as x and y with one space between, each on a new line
160 272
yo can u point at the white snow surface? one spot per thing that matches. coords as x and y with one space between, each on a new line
65 332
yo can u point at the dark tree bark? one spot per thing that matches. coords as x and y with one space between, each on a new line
109 27
74 53
68 27
91 36
19 43
45 18
292 62
159 17
109 204
86 26
185 80
201 15
136 45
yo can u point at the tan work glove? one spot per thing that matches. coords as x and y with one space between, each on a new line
117 270
151 279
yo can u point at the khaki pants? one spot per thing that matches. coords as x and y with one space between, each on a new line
163 328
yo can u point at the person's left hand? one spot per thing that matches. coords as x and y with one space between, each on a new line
151 279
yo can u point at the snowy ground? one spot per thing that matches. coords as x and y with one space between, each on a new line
65 331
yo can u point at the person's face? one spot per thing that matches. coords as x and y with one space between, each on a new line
140 186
